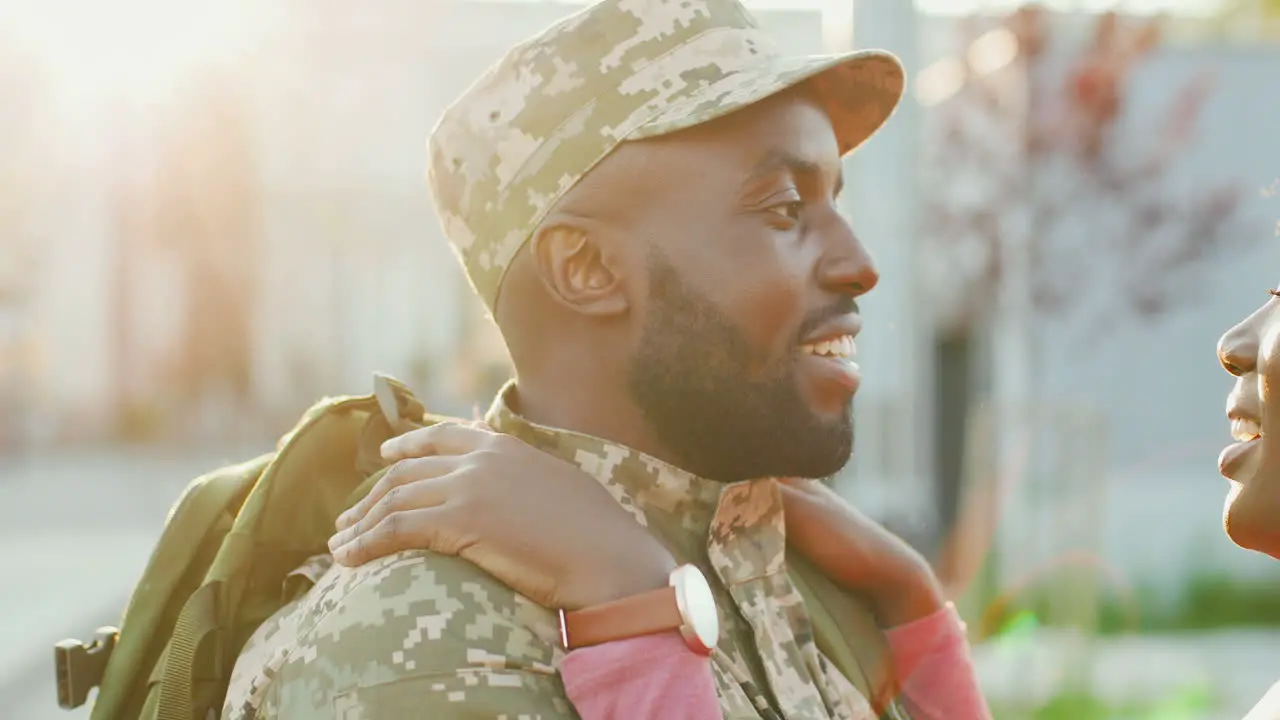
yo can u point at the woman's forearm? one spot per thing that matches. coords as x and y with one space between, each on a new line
936 672
652 677
658 676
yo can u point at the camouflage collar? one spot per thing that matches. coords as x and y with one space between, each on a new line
675 504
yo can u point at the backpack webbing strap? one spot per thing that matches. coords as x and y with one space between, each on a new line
197 621
206 506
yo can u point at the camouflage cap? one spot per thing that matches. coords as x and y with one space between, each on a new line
538 120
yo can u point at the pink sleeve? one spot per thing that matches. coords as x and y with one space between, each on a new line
641 678
932 658
657 676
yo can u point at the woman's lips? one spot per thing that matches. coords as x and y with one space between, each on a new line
1239 460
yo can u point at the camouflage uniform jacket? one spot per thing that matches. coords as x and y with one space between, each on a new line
419 635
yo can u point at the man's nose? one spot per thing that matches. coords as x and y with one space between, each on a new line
1238 349
846 267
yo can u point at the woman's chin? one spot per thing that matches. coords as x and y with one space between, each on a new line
1251 524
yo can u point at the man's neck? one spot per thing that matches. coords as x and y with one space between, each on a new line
673 503
583 408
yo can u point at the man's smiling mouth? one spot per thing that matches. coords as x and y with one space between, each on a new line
840 347
833 362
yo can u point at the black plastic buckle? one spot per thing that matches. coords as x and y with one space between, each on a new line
80 667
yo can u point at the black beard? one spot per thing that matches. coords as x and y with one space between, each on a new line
692 379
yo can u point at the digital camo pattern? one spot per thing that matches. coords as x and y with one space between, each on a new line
412 635
537 121
418 635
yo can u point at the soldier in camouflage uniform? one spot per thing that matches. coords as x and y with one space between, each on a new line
536 172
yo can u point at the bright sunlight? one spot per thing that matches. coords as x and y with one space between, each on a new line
138 48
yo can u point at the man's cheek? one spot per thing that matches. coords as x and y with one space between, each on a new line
775 314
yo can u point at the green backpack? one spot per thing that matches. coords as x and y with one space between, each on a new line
225 563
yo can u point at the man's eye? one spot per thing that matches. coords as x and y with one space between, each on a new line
789 210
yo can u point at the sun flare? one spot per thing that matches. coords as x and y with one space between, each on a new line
132 47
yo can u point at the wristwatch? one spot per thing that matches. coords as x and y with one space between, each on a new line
685 604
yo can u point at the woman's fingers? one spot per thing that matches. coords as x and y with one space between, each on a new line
401 474
440 439
419 529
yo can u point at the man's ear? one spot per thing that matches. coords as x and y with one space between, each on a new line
577 268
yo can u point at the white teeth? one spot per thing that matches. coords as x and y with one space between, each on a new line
841 347
1245 430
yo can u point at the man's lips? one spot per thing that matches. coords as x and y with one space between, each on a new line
844 325
838 368
829 352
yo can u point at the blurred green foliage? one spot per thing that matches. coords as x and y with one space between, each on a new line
1189 703
1206 601
1212 600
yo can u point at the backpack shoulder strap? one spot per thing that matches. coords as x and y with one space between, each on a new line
195 526
847 634
218 568
286 518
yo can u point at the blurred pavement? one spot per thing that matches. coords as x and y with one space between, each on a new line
77 530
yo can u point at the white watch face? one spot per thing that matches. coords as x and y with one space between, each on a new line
697 604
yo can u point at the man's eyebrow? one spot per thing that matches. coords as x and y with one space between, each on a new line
781 160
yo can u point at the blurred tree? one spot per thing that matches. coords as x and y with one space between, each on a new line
1038 206
189 239
22 188
1041 139
1248 20
208 212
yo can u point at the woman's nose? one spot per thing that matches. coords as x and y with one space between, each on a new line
1238 349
